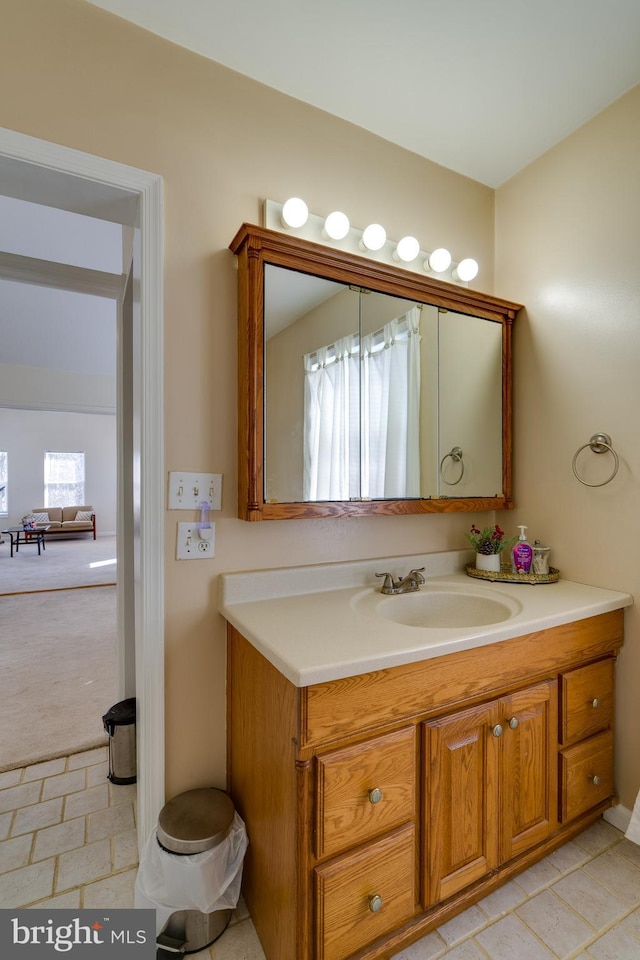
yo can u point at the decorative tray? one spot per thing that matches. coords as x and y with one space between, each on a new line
507 576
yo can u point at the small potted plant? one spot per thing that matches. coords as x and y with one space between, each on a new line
488 545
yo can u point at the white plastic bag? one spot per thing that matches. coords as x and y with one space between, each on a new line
202 881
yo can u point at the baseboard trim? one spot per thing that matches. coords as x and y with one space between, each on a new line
618 816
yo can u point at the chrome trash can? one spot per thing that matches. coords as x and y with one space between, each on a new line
199 843
120 723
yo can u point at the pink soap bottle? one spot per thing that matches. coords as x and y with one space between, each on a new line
522 554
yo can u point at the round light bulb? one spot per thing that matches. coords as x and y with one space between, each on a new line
439 260
336 226
466 270
374 237
407 249
295 212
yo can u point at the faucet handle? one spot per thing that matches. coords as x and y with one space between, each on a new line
388 581
417 574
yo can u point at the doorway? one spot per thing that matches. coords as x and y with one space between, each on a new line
56 176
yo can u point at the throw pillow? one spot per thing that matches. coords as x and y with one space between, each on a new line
40 517
84 515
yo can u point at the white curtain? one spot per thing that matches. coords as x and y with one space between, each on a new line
331 417
361 434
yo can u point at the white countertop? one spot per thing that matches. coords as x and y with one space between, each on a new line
322 622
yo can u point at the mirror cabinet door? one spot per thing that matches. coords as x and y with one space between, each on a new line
364 388
470 406
311 388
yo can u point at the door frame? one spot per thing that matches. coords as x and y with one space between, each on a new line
139 195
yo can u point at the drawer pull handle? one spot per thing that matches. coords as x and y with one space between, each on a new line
595 703
375 795
375 903
513 722
595 780
497 730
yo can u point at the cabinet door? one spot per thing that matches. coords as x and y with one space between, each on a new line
529 767
587 700
365 894
587 775
461 829
365 790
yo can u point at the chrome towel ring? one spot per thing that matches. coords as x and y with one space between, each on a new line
456 455
599 443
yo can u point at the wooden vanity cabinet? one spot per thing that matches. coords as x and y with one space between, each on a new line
378 806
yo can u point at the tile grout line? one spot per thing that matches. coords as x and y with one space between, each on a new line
529 896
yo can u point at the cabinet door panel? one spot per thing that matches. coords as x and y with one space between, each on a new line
587 700
529 794
461 761
347 914
365 790
587 775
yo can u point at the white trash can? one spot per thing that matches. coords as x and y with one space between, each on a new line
191 870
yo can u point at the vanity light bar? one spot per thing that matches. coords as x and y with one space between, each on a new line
336 231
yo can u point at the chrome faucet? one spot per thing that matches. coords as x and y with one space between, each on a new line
408 584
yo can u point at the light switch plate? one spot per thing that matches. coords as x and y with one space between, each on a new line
194 544
187 491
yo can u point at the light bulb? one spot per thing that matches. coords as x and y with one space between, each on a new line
407 249
294 213
466 270
439 260
336 226
374 237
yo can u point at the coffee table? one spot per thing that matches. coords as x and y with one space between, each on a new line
18 536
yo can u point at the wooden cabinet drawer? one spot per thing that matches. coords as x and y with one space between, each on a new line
586 773
364 790
587 700
365 895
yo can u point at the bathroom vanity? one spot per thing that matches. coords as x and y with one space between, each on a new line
391 773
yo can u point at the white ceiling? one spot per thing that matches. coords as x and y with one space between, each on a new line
480 87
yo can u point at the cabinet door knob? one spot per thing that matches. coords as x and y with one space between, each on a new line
375 795
497 730
595 703
513 722
375 903
595 779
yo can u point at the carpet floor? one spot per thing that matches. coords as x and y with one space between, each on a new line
58 667
79 562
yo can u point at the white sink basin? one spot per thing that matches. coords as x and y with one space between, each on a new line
440 607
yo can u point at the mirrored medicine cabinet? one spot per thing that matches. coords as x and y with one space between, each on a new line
366 389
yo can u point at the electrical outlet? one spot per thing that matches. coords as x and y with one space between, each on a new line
188 490
195 544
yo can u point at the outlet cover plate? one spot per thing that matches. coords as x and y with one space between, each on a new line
190 545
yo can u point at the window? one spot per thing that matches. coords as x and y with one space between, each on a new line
63 479
3 483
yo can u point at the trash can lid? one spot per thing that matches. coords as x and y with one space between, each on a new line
120 714
195 821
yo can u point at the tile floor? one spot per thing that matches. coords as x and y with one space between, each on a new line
68 839
67 835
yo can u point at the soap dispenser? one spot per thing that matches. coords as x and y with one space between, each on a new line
522 553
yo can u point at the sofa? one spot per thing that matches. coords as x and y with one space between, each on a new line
65 520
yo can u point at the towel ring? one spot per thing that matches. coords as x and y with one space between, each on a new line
599 443
456 455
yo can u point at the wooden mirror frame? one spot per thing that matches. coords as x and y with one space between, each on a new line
256 246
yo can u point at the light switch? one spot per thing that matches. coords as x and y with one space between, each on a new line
187 491
193 543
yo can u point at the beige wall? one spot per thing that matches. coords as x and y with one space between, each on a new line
222 143
568 246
